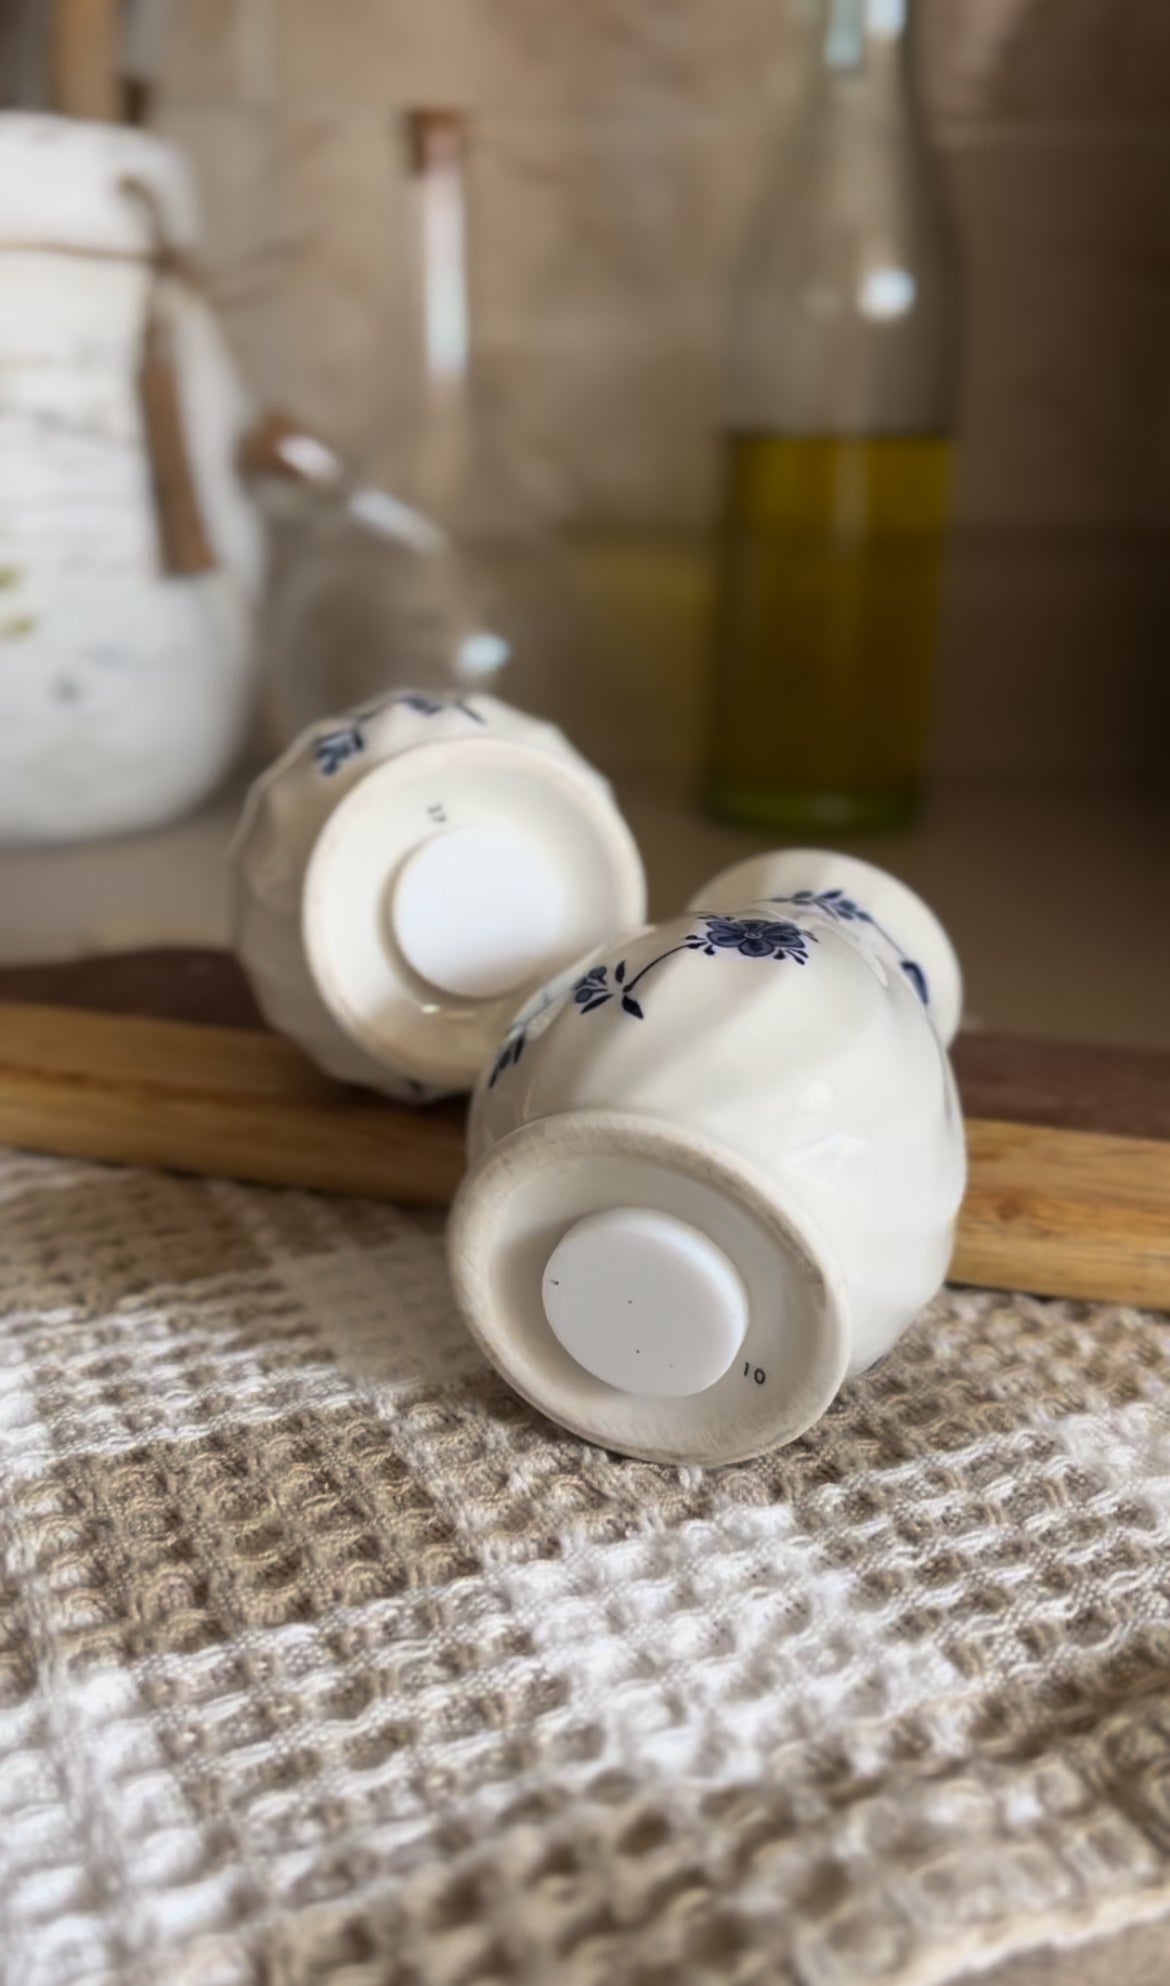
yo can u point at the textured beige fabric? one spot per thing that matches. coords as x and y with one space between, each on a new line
321 1659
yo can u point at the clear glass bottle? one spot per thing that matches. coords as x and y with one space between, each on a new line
433 571
839 411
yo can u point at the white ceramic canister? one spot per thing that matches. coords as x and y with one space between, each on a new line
716 1169
406 875
124 680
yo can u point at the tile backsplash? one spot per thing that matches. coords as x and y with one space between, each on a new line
616 145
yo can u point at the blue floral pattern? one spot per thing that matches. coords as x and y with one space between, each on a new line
516 1040
835 902
511 1049
425 705
757 938
335 748
752 937
846 910
917 978
592 991
780 939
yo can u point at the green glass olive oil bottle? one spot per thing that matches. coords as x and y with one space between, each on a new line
837 456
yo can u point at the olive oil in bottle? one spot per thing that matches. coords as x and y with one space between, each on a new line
837 456
830 563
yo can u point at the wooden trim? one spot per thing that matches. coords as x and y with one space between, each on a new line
1079 1086
1066 1213
1058 1212
225 1101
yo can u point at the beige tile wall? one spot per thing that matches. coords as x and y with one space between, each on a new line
616 143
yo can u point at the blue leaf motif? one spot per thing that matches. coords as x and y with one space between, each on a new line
846 910
510 1053
631 1007
834 903
424 705
917 978
593 987
335 748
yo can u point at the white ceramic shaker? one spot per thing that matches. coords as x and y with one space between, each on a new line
716 1168
408 874
131 556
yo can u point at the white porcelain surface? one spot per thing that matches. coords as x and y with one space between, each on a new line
765 1069
124 690
407 874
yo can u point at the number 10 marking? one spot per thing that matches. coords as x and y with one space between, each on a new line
757 1372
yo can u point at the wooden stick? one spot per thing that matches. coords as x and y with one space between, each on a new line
83 59
225 1101
1066 1213
1058 1212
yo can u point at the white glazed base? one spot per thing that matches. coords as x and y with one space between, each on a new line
539 1184
446 885
406 874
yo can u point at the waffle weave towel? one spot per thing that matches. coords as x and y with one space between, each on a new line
323 1660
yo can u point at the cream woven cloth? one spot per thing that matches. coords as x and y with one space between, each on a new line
322 1659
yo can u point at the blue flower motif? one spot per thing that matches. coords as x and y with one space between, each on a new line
754 937
776 938
758 938
836 904
593 990
335 748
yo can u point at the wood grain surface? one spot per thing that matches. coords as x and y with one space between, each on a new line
161 1059
1079 1086
236 1102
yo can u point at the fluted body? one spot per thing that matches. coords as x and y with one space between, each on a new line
327 836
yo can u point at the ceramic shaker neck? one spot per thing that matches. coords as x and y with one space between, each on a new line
864 902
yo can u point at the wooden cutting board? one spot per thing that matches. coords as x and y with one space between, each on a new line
160 1058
